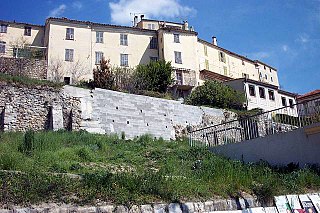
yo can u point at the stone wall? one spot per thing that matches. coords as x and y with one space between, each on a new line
100 111
187 207
24 67
36 107
105 111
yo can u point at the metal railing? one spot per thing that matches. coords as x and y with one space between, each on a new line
276 121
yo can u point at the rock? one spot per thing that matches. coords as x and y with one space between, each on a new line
187 207
105 209
159 208
146 209
121 209
198 207
134 209
174 208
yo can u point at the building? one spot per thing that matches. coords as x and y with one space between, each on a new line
74 48
309 103
263 95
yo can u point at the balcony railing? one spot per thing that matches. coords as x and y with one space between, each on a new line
277 121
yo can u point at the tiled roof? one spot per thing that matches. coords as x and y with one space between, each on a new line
66 20
178 30
209 75
310 94
234 54
288 93
255 82
20 23
170 22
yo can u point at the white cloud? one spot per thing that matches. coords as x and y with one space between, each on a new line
260 55
120 10
304 38
77 5
285 48
58 11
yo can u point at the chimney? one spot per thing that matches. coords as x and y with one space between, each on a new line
141 17
214 41
185 25
135 21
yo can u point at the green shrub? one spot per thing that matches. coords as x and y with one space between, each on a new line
155 76
27 146
216 94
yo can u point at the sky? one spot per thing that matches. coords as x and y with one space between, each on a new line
282 33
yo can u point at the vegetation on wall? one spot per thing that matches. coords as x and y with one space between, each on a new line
216 94
152 79
142 170
29 82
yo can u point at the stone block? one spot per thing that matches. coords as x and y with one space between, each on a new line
174 208
121 209
105 209
146 209
159 208
134 209
187 207
199 207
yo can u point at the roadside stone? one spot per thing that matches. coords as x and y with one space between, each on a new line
105 209
134 209
198 207
220 205
187 207
87 210
159 208
208 206
121 209
5 211
174 208
232 204
146 209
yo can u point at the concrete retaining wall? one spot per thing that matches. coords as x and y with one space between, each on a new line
105 111
299 146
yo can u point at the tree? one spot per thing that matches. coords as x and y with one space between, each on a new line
216 94
155 76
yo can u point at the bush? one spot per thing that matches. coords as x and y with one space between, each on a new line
216 94
155 76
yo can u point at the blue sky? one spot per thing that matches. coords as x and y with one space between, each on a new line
282 33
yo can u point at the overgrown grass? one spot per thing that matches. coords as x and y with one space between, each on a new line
22 80
131 171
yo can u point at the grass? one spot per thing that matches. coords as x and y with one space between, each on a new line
131 171
22 80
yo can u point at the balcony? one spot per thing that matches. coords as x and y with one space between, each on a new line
185 79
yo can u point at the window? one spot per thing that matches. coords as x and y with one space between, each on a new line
262 92
151 26
69 55
27 31
243 63
271 79
207 64
153 43
266 76
225 70
177 57
176 38
21 52
2 47
124 60
99 57
284 101
252 90
99 37
124 39
270 69
153 58
222 57
70 34
264 67
3 28
271 95
205 49
291 103
67 80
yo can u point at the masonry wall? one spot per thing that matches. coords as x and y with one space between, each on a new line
37 108
24 67
105 111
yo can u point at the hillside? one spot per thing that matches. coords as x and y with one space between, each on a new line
143 170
